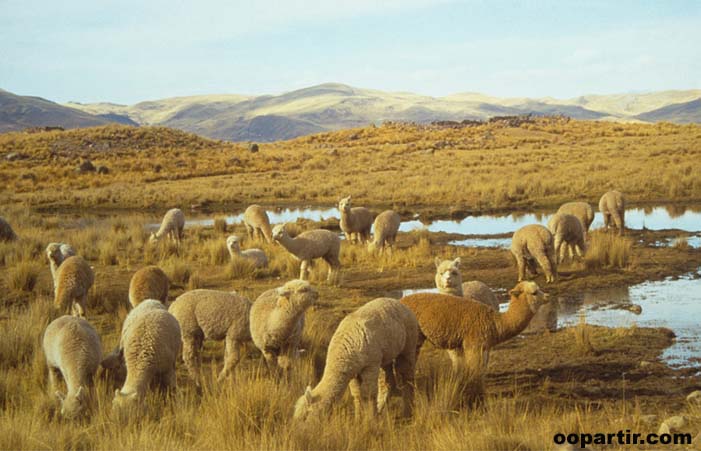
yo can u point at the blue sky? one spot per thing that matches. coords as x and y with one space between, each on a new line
127 51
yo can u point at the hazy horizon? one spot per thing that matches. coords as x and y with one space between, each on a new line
127 52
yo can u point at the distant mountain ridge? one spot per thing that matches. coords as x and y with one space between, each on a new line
334 106
20 112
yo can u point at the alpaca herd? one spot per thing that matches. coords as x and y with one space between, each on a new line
373 350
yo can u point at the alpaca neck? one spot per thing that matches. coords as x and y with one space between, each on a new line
346 218
267 231
291 244
283 322
514 320
455 291
330 388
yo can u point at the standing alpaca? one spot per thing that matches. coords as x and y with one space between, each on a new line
255 218
310 245
612 206
369 347
470 329
355 222
172 225
534 243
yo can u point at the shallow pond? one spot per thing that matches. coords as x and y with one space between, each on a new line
674 303
654 218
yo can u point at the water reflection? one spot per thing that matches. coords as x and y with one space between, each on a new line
653 218
672 303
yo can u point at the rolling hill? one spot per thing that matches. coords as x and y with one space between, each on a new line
681 113
334 106
20 112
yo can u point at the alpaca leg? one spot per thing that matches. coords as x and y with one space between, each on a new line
304 269
232 355
521 262
368 388
77 308
54 375
249 231
618 220
271 361
545 262
354 387
167 381
456 356
552 259
385 384
405 368
191 357
607 220
557 245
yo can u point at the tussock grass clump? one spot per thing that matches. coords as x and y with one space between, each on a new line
216 252
220 225
23 276
681 243
582 336
178 271
196 281
22 332
608 250
108 252
240 268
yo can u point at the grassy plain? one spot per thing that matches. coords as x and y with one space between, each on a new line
579 379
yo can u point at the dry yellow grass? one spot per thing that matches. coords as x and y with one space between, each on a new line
482 168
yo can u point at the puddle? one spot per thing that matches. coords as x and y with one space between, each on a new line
693 242
278 216
504 243
671 303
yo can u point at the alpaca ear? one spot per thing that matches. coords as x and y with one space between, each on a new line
456 262
283 297
437 262
308 394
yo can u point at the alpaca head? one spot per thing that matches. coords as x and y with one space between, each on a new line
306 406
296 294
123 400
73 405
279 232
448 278
345 204
232 244
53 252
530 293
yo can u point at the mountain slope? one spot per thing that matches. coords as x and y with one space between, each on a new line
334 106
680 113
20 112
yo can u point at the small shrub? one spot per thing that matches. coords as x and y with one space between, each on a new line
582 337
220 225
608 250
681 243
23 276
177 271
240 268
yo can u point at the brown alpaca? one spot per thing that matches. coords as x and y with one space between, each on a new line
150 282
472 328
